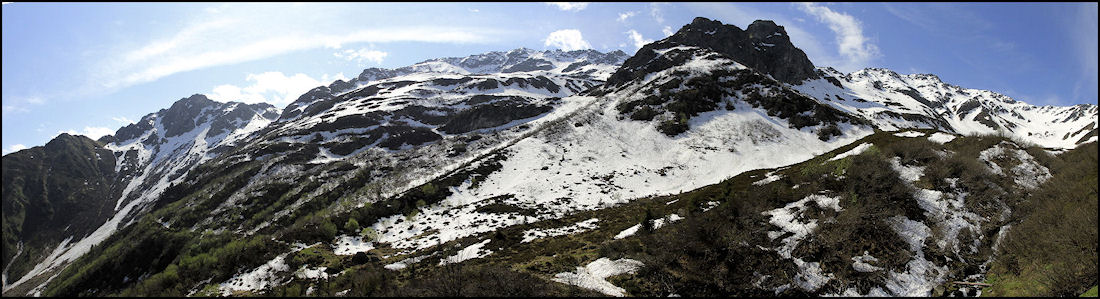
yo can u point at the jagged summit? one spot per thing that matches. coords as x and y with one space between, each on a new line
763 46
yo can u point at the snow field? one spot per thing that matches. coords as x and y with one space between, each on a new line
593 276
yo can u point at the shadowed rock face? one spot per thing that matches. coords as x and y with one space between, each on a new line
763 46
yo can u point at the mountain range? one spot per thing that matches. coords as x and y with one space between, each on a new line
558 170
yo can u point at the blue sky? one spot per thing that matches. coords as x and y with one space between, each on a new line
90 68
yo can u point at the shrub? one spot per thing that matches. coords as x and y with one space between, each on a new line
351 225
645 113
828 132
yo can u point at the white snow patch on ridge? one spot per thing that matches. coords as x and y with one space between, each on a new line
852 152
941 138
470 252
909 134
786 218
257 279
535 234
769 177
593 276
347 245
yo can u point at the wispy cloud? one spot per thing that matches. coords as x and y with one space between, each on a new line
567 40
637 39
161 61
20 104
239 33
123 120
14 147
667 31
362 54
567 6
851 43
274 88
90 132
626 15
656 13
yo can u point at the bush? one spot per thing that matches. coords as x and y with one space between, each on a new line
828 132
645 113
351 225
673 127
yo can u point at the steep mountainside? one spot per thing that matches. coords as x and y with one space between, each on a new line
60 191
763 46
714 162
429 102
145 158
893 101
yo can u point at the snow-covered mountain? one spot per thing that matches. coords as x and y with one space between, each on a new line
149 156
894 101
700 119
453 161
381 109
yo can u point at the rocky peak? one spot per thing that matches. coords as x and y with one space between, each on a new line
764 46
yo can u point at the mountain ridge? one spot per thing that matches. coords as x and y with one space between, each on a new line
439 160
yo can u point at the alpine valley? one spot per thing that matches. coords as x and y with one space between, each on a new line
718 161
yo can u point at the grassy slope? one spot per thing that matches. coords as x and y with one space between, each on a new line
701 255
1052 250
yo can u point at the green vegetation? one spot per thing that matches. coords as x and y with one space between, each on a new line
1091 293
1051 251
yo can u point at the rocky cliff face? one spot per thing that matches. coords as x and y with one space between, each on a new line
763 46
74 192
897 101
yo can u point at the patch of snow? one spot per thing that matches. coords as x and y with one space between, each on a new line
312 273
907 173
260 278
535 234
920 275
348 245
810 277
470 252
710 205
860 263
909 134
941 138
852 152
769 177
630 231
594 275
787 219
658 223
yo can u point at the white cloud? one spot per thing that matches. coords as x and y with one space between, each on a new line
274 88
567 40
156 61
362 54
123 120
20 104
238 32
14 109
851 43
90 132
655 11
473 10
574 6
667 31
626 15
637 39
14 148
